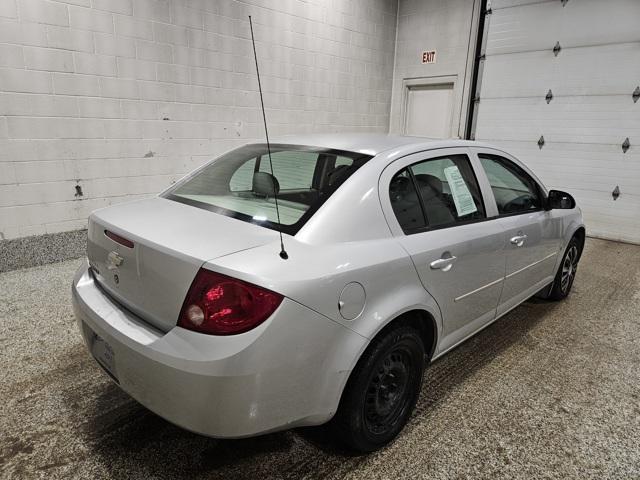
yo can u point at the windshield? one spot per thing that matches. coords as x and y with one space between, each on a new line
242 184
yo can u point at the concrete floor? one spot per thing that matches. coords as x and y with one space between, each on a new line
552 390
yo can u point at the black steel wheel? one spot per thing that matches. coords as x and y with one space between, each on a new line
386 393
382 390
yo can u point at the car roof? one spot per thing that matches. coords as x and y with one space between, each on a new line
370 143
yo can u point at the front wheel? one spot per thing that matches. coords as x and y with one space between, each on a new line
382 391
566 274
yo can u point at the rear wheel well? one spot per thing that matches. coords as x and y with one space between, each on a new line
420 320
423 322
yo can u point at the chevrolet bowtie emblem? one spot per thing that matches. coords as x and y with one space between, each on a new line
114 260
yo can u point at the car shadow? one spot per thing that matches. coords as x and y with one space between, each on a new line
129 441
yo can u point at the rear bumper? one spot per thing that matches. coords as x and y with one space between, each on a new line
287 372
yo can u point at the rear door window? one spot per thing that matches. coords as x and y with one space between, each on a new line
406 203
442 191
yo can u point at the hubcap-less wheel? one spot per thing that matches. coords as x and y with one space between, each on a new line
382 389
569 267
386 396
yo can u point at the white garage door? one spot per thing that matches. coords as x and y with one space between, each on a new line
592 79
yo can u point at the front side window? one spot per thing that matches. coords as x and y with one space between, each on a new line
436 193
241 184
514 190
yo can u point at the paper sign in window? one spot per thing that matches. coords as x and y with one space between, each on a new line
461 195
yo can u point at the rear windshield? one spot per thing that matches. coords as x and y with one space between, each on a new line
243 183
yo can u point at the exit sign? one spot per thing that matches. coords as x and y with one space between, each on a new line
429 56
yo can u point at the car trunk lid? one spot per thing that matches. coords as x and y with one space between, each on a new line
171 241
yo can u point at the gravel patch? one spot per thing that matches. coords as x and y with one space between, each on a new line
42 249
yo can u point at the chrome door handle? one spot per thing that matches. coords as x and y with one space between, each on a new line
443 264
518 240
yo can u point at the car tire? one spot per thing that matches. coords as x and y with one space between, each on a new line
566 273
381 392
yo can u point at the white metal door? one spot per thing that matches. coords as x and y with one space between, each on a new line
590 112
428 110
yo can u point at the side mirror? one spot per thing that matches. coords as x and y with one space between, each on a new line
560 200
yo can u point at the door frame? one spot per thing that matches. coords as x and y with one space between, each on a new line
408 83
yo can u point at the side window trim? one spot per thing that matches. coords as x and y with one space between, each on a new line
450 225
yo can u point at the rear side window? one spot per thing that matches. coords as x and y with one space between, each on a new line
513 189
242 184
436 193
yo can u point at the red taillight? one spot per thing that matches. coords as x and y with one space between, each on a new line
221 305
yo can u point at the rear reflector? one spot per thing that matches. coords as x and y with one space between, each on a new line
118 239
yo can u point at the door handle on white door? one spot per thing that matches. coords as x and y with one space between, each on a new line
518 240
443 264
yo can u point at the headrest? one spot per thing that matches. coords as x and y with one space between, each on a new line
337 175
265 184
399 187
430 185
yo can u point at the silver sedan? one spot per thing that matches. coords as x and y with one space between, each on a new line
312 281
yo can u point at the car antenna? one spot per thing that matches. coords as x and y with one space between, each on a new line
283 252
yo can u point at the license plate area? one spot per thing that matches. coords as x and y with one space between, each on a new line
103 353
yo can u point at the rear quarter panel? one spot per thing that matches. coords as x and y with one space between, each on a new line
315 275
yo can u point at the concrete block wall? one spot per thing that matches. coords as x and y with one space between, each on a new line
103 101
